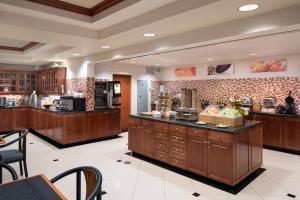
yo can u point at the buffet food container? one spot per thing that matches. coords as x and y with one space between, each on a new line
238 121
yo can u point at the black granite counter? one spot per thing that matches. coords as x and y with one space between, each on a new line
276 114
247 125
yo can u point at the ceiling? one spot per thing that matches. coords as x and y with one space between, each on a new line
258 47
176 23
12 43
84 3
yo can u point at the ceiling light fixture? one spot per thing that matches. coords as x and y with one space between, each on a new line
149 34
210 59
248 7
252 54
117 56
75 54
105 46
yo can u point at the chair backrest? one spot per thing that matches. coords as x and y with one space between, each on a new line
10 169
23 141
93 180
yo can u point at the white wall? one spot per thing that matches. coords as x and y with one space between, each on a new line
241 70
106 71
79 68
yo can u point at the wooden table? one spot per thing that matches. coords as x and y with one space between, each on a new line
2 141
33 188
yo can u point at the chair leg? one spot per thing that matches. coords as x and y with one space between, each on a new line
99 195
25 168
0 175
21 167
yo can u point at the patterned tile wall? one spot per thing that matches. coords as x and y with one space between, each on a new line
222 89
85 85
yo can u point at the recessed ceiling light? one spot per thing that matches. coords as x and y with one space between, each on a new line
76 54
149 34
252 54
161 48
248 7
117 56
105 46
210 59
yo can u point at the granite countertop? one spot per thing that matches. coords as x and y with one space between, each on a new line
276 114
59 111
248 124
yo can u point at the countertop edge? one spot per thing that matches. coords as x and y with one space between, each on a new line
211 127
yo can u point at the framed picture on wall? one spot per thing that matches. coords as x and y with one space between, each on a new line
223 69
185 71
275 65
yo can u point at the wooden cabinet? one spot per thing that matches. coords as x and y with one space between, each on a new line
291 136
224 157
256 141
220 157
8 82
96 125
147 137
75 127
134 139
279 130
27 82
52 81
197 151
6 116
113 123
20 118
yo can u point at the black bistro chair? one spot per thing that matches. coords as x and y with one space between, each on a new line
15 155
93 181
10 170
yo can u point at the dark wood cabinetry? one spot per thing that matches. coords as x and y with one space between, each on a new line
64 128
281 131
6 116
52 81
20 118
225 157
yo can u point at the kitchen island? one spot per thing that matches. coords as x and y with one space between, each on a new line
227 155
64 128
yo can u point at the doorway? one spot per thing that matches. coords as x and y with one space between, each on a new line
125 99
142 96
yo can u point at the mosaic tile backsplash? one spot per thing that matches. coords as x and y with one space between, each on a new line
222 89
85 85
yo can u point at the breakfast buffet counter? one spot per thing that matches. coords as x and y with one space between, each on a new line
63 128
280 131
227 155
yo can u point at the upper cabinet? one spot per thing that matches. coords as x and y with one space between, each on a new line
8 82
52 81
48 81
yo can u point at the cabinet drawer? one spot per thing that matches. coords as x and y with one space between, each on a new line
177 155
160 147
161 157
177 163
161 136
222 138
146 124
177 129
161 127
177 140
177 149
133 121
195 132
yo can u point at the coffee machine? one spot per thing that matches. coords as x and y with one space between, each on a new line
107 94
247 103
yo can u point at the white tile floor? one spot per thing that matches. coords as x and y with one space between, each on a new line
141 180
